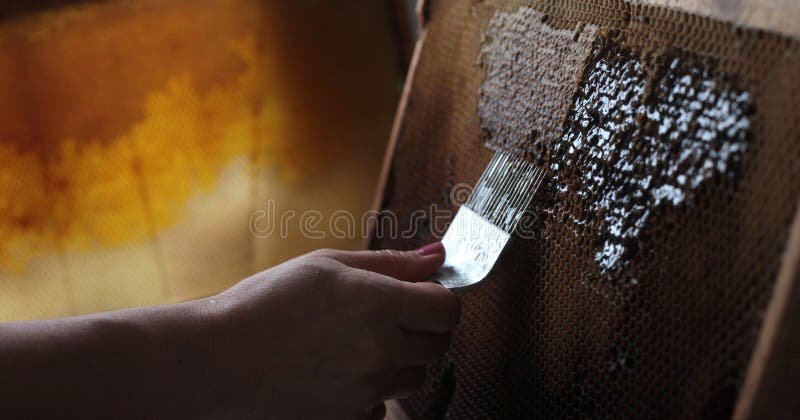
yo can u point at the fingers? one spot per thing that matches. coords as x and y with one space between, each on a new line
427 307
420 307
410 266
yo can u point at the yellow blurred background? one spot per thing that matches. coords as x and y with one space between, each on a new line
137 139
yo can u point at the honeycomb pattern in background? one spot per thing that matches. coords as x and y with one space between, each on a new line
667 327
633 143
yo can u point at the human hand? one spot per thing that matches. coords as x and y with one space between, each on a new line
332 334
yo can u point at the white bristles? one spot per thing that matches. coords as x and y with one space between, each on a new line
505 190
484 224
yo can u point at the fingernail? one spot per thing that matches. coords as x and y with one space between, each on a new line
432 249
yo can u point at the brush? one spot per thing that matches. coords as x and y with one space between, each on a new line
484 224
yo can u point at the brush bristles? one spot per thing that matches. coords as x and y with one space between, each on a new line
505 190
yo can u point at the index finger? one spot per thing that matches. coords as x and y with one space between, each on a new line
427 307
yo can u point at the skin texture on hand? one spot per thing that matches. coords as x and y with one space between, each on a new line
331 334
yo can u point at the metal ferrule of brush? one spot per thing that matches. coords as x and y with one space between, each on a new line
484 224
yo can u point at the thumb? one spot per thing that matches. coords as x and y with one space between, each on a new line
412 266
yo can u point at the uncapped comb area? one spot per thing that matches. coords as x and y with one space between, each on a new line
670 142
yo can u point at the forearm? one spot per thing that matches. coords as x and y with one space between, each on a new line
148 362
331 334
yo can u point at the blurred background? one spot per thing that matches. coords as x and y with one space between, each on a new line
138 138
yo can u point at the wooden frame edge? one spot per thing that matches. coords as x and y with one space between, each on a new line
399 117
781 297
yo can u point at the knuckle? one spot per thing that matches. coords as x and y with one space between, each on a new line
323 253
317 270
353 275
310 267
327 264
392 258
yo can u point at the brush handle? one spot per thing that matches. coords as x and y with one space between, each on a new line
473 246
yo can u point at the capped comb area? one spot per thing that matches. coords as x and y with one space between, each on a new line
670 142
639 142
